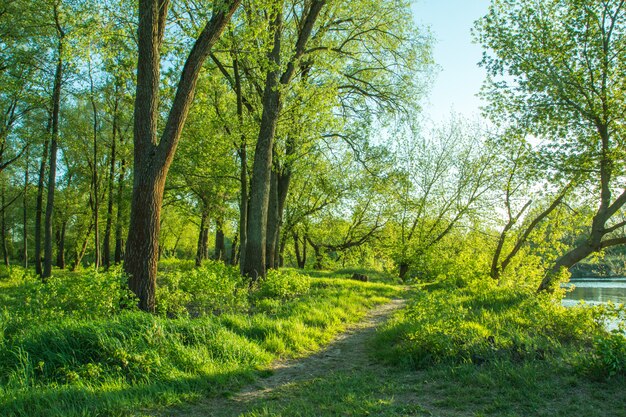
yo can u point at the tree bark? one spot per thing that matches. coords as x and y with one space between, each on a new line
60 239
220 244
243 174
152 157
3 225
119 236
272 223
94 176
296 247
233 250
39 202
56 104
280 262
255 259
284 180
202 239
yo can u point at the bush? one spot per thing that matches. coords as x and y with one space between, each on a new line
90 294
214 288
609 356
482 323
283 284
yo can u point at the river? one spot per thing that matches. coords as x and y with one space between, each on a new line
597 291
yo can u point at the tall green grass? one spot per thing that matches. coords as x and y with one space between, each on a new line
76 347
482 323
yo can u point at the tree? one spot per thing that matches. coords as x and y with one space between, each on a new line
521 189
564 62
443 177
254 260
153 156
54 132
357 61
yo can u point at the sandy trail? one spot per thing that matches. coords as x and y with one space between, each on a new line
347 352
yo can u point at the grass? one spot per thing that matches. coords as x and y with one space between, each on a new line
373 275
475 351
464 390
479 350
90 357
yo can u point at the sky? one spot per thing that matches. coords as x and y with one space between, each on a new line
459 78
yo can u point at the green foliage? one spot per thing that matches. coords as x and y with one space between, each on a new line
283 284
609 356
89 357
449 262
213 288
484 323
27 301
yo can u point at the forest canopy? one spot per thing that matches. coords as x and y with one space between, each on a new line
288 133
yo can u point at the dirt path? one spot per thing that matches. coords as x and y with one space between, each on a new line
347 352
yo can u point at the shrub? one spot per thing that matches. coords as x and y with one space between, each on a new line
283 284
90 294
609 356
482 323
214 288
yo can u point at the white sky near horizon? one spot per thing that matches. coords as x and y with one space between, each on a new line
459 78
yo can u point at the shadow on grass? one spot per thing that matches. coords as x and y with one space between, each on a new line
531 389
115 399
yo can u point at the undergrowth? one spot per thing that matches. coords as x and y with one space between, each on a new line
76 347
482 323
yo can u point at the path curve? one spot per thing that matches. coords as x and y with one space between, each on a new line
347 351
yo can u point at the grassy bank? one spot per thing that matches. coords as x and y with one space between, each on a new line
68 349
489 351
473 351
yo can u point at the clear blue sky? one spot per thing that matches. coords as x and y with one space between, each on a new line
459 77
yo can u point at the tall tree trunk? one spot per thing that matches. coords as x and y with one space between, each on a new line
94 175
280 259
205 242
304 246
3 225
233 250
106 244
25 214
202 237
300 259
119 236
243 173
220 244
272 223
254 260
60 238
296 247
152 157
284 180
56 103
39 202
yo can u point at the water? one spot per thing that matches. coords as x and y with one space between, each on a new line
597 291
